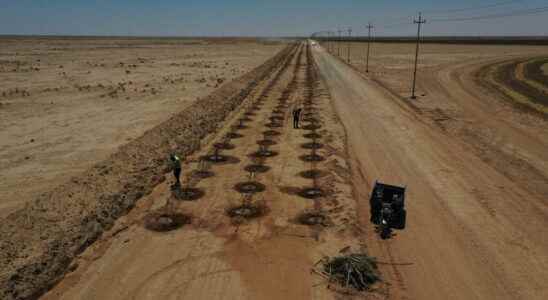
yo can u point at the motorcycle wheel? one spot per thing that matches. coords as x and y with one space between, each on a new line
385 232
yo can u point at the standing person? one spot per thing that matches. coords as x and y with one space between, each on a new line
176 168
296 117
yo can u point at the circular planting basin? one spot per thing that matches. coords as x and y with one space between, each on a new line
215 158
240 126
202 174
264 153
162 222
224 146
188 194
246 211
274 125
249 187
312 127
311 120
275 118
311 157
312 135
311 193
313 174
312 218
233 135
271 133
266 143
312 145
256 168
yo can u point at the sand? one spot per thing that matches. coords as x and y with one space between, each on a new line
475 167
216 257
475 227
69 103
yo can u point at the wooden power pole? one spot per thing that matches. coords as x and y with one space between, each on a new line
330 42
348 52
419 23
369 27
339 43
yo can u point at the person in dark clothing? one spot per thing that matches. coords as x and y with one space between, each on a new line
176 167
296 117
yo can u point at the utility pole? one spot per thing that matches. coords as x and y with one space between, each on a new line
339 43
348 52
419 23
328 41
369 27
331 34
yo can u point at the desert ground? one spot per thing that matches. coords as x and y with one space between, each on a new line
479 167
66 104
262 204
456 93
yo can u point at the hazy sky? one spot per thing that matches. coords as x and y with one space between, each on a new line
258 18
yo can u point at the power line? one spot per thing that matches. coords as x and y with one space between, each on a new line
478 7
394 25
393 19
522 12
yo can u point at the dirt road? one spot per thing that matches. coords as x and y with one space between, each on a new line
472 232
218 257
457 96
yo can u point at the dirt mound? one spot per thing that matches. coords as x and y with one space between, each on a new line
257 168
250 187
187 194
164 221
312 174
241 213
312 218
38 242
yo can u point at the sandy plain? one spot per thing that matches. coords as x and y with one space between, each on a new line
67 103
474 163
